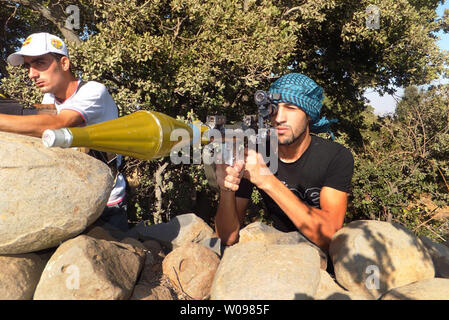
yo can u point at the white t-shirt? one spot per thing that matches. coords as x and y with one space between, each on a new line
94 103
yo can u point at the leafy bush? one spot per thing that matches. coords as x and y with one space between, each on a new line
404 160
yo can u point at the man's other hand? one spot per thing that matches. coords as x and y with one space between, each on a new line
228 177
256 170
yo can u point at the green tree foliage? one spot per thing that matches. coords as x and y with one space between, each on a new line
22 18
17 22
405 164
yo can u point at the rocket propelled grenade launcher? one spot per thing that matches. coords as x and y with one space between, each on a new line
143 135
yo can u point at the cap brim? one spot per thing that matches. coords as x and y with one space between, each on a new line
15 59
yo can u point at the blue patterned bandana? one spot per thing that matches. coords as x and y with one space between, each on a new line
300 90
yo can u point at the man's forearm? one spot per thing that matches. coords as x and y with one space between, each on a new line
312 222
32 125
35 125
227 224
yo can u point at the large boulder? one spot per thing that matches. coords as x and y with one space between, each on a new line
99 233
429 289
180 230
440 257
19 276
328 289
256 271
47 195
191 268
85 268
258 231
151 292
372 257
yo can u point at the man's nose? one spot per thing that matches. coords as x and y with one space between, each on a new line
32 73
279 117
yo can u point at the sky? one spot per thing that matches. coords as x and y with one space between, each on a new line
387 103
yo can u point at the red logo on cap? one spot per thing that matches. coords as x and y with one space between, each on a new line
27 41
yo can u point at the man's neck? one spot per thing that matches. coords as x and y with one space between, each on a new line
292 152
67 90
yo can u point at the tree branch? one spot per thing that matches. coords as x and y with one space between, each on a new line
57 19
159 189
291 10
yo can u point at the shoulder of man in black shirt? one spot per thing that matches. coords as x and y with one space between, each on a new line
337 159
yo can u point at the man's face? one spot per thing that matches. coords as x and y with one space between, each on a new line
45 71
290 122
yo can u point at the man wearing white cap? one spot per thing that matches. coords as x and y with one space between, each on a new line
47 60
77 103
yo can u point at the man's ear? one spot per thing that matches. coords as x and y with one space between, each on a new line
65 63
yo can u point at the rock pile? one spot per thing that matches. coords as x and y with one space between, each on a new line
371 260
51 249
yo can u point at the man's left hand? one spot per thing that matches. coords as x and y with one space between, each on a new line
256 170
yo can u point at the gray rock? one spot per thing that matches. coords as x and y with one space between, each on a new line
112 230
258 231
85 268
440 257
47 195
45 254
191 268
372 257
256 271
429 289
19 276
151 292
328 289
152 284
134 243
155 248
149 274
180 230
99 233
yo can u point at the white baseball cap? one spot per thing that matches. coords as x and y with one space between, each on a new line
38 44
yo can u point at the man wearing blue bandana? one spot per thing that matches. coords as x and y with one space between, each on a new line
309 191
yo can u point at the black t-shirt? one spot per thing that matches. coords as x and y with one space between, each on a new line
324 163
